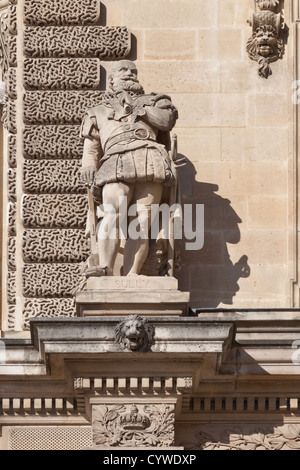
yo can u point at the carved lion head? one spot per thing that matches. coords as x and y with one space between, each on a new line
135 333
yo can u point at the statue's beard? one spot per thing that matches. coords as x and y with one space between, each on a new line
128 85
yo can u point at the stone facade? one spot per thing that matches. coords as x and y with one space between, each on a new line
224 374
52 75
227 122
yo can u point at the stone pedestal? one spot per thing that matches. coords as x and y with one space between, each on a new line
116 302
140 295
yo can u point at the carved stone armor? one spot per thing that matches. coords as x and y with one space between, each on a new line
123 148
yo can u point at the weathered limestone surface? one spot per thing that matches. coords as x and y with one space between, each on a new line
77 41
233 127
56 176
142 295
56 13
52 76
46 246
165 398
62 142
231 377
61 74
58 107
59 280
54 211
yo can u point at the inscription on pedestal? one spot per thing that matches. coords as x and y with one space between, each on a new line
132 284
135 282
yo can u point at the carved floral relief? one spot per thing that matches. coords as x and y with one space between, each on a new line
279 438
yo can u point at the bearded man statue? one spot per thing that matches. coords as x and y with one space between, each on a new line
126 143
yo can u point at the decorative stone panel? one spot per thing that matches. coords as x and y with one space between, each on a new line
11 317
103 42
40 308
56 12
3 43
52 280
52 176
12 184
12 19
11 116
11 215
55 246
54 211
134 425
49 437
11 88
62 142
12 50
11 287
258 437
61 74
11 253
58 107
12 150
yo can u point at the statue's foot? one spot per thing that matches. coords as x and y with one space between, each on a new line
98 271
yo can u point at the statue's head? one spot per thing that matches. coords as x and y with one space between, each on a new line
123 77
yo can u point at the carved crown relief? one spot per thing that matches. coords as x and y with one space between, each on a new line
265 45
133 425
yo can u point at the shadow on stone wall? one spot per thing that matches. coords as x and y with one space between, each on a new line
209 273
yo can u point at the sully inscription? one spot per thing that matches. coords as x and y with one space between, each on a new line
132 284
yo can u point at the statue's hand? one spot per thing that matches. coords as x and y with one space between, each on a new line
88 174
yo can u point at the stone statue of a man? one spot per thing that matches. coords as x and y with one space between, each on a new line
126 155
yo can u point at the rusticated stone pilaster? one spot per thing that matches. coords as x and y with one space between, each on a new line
50 82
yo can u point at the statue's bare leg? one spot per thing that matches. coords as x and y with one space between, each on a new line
136 251
108 235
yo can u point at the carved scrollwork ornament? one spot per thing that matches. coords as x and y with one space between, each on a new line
265 45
